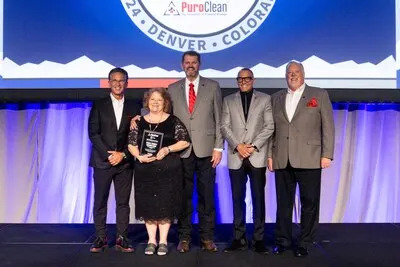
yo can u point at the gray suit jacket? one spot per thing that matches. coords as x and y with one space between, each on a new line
204 123
308 137
256 130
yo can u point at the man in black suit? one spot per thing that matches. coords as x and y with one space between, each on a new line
108 131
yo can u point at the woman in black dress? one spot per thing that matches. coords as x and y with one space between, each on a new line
158 176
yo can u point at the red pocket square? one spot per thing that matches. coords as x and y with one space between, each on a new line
313 103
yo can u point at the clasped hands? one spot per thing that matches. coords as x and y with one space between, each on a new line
245 150
115 157
147 158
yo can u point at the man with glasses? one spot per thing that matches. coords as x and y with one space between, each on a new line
247 124
108 131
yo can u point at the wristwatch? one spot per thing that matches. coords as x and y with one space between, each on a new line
254 147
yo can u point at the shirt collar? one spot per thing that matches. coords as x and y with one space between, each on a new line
250 92
195 82
114 100
300 90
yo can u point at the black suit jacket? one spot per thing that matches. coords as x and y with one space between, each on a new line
104 135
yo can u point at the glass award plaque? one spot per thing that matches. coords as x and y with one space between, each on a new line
151 142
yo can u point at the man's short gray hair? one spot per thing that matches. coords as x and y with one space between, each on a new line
297 63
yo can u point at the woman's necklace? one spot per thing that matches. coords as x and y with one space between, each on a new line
157 122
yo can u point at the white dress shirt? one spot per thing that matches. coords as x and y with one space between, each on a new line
196 87
292 100
118 106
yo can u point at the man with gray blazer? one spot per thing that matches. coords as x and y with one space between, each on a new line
302 145
197 102
247 124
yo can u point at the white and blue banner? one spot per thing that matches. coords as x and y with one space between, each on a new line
73 44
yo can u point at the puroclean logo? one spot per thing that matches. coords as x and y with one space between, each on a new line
171 10
204 26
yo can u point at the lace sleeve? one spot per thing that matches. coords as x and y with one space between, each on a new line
181 133
132 137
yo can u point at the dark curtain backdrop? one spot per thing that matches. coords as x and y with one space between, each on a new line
45 178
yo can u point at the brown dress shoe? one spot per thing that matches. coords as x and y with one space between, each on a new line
183 246
124 244
99 245
209 246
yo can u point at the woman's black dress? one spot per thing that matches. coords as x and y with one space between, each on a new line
158 184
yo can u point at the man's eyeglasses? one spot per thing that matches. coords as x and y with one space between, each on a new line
117 81
244 79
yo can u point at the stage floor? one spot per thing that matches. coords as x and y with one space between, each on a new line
68 245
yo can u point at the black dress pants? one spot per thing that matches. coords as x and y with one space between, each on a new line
205 178
257 184
122 178
309 181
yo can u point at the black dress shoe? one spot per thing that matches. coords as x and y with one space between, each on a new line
99 245
237 244
278 250
301 252
124 244
259 247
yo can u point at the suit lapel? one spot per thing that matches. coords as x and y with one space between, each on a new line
238 104
302 103
282 102
253 105
124 115
201 92
110 110
183 95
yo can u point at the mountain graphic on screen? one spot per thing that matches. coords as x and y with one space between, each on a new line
314 66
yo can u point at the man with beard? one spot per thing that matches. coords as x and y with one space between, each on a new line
197 103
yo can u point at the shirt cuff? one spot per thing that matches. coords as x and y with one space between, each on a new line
255 147
218 149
